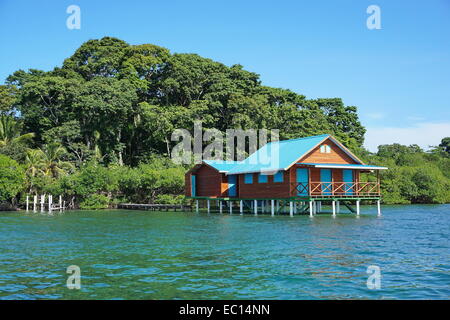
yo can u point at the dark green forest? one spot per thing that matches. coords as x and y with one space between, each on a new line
98 128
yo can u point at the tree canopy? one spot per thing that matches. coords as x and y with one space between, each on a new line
120 102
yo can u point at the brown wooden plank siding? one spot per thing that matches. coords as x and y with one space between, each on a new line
336 155
208 182
269 189
187 184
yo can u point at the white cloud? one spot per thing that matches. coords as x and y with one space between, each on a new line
424 134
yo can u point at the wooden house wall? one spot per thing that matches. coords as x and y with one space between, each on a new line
208 182
187 184
268 189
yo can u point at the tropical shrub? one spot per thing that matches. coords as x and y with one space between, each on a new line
12 178
95 202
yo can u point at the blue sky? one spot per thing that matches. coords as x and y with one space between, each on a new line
398 77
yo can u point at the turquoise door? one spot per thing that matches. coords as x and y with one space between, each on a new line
193 186
232 186
325 178
347 175
303 180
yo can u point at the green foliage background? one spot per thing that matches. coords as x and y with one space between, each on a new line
98 128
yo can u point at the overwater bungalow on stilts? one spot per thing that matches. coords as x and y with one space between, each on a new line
298 176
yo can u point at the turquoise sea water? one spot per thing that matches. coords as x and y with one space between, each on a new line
172 255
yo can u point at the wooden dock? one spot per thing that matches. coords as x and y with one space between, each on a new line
155 207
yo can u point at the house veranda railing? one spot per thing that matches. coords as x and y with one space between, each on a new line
336 189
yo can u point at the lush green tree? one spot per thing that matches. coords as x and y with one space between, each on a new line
10 132
445 145
12 178
8 98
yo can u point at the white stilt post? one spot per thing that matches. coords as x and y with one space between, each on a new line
311 208
208 205
241 207
379 208
338 207
255 205
28 199
50 203
220 207
196 206
231 206
333 204
34 203
278 205
291 208
272 207
42 202
357 207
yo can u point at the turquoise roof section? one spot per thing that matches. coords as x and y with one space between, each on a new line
277 155
341 165
220 165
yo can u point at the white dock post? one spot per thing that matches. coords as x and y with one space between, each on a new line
291 208
379 208
64 205
42 202
310 208
333 204
357 207
196 206
50 203
272 207
241 207
207 205
34 203
220 206
28 199
231 206
255 206
60 201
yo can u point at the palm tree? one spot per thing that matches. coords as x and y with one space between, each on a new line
10 132
34 161
53 165
34 166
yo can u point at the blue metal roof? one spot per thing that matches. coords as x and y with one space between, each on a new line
341 165
277 155
220 165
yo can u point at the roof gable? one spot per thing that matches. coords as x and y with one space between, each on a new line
281 155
